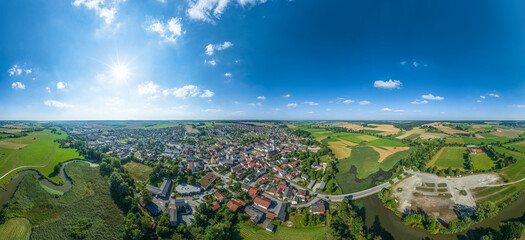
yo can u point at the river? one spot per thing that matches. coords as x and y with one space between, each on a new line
10 188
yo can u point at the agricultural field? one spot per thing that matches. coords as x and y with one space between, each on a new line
476 141
482 161
452 157
39 151
139 172
519 146
15 229
88 198
512 173
282 233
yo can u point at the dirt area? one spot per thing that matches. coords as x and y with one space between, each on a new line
506 133
387 151
444 197
416 130
11 145
190 129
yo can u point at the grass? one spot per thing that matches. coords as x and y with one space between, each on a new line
138 171
449 157
482 161
88 198
282 233
391 160
15 229
520 146
41 150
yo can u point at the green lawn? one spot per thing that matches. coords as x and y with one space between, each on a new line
449 157
88 198
282 233
482 161
15 229
138 171
41 150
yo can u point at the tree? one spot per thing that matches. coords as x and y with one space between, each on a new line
3 216
163 226
147 196
511 230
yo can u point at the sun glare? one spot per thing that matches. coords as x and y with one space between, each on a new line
120 72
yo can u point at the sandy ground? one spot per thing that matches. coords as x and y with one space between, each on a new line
383 154
425 192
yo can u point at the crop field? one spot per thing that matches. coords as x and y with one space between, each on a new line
139 172
282 233
476 141
507 133
482 161
449 157
511 173
88 198
519 146
339 148
15 229
40 150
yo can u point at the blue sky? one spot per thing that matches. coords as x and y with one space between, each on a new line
262 59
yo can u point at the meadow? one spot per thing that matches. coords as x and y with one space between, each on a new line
482 161
139 172
452 157
282 233
519 146
39 151
15 229
477 141
89 198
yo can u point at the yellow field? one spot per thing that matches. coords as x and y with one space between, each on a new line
15 229
387 151
506 133
367 138
11 145
340 149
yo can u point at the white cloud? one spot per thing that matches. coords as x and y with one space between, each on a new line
417 101
287 95
238 113
228 75
415 64
207 94
517 106
212 110
211 10
48 89
276 109
104 9
390 110
54 103
403 62
183 92
261 97
311 112
493 95
211 62
61 85
169 31
443 112
364 102
482 97
291 105
16 70
210 48
149 88
390 84
18 85
255 104
479 100
348 101
432 97
312 103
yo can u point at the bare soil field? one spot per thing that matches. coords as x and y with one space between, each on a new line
444 197
428 136
384 152
387 129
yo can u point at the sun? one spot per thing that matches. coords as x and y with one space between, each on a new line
120 71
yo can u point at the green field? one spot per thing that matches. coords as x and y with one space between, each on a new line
519 146
39 150
482 161
88 198
449 157
282 233
391 160
15 229
477 141
138 171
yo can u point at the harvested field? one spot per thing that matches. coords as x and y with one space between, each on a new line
428 136
15 229
11 145
479 136
340 149
384 152
416 130
386 129
506 133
